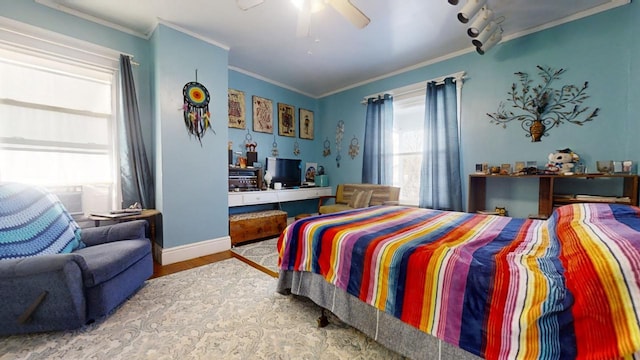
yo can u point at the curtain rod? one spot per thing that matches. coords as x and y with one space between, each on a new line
457 77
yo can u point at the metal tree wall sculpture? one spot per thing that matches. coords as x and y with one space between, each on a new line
545 107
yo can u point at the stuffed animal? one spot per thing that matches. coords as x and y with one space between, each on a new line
562 162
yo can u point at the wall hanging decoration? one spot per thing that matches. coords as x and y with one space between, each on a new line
237 109
339 136
296 148
306 124
274 147
545 107
250 149
327 148
354 147
262 115
286 120
196 109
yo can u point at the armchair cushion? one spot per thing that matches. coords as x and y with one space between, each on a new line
34 222
346 197
360 199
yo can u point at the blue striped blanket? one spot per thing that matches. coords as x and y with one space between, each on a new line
34 222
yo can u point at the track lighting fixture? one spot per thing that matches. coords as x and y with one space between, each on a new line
485 31
485 34
491 42
470 9
484 17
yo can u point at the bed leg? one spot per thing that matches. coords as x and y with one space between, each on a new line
323 320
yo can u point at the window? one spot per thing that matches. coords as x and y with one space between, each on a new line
57 126
408 134
408 130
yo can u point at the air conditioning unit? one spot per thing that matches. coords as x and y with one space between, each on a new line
70 197
96 198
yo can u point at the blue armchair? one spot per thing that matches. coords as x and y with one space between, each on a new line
87 279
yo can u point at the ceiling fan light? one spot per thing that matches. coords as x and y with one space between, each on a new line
493 40
315 5
470 9
484 17
485 34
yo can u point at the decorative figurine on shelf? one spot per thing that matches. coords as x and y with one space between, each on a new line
562 162
267 178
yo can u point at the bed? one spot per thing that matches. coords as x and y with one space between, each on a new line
453 285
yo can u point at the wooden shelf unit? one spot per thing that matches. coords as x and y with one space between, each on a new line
546 200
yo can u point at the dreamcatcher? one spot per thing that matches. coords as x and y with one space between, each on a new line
196 109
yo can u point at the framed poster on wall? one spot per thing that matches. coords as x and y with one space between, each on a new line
237 109
286 120
262 115
306 124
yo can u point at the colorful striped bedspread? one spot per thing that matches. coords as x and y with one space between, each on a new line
498 287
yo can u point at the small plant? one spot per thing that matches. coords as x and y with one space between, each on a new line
544 106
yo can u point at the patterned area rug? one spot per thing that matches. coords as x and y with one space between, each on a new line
225 310
263 253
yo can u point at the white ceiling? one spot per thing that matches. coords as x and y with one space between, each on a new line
262 40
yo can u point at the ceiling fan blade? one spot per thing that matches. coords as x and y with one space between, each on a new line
248 4
304 19
349 11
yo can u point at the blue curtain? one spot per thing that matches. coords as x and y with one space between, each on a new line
135 173
440 183
377 154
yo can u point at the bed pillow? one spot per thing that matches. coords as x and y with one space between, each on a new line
34 222
360 199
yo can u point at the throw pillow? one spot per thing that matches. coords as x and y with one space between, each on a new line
360 199
34 222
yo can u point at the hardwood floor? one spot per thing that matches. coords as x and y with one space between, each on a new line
159 270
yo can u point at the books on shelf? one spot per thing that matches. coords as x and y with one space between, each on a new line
608 199
118 213
488 212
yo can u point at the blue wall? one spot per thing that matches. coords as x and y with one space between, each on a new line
602 49
192 185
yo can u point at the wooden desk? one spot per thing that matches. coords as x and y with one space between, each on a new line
242 198
149 215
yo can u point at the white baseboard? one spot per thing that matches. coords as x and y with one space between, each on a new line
190 251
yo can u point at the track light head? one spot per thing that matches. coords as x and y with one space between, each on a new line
485 34
482 20
470 9
491 42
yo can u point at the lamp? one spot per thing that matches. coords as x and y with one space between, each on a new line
494 39
470 9
485 34
484 17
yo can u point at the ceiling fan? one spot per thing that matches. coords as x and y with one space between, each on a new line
307 7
